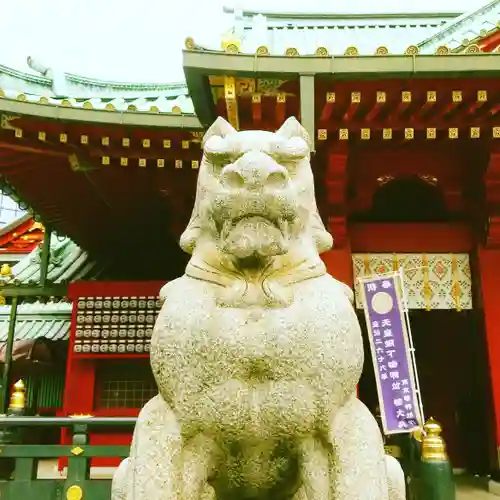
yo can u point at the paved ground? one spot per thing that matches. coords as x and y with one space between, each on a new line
473 489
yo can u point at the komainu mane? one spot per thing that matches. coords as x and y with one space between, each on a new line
257 350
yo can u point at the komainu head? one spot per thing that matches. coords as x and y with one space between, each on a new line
255 196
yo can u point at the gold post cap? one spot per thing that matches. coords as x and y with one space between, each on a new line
18 396
5 270
433 445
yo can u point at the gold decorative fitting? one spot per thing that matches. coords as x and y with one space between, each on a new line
351 51
473 49
232 48
142 162
43 100
74 493
387 133
381 96
87 105
256 98
321 52
344 134
429 179
5 271
409 133
17 398
189 43
42 136
475 132
453 133
482 95
412 50
185 144
21 97
146 143
195 164
126 142
105 141
154 109
18 133
443 50
66 103
132 107
176 110
2 93
433 445
281 97
105 160
109 107
356 97
496 132
160 163
77 450
291 52
123 161
2 300
456 96
382 51
322 134
384 179
167 143
63 138
178 163
84 139
430 133
406 96
330 97
365 134
431 96
262 51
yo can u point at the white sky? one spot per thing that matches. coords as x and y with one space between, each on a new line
142 40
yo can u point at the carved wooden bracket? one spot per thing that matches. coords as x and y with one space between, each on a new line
336 187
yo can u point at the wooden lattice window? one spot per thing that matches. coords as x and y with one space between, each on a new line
124 384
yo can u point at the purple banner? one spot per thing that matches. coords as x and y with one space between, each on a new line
389 345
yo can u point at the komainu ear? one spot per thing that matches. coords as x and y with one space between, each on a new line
219 128
293 128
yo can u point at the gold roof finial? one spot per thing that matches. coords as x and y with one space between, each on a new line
230 42
433 445
18 396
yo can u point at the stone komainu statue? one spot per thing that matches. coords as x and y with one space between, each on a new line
257 351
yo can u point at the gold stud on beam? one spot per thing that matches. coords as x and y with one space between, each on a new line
431 96
18 133
160 163
142 162
124 161
126 142
63 138
344 134
322 134
475 132
406 96
453 133
146 143
365 134
456 96
256 98
84 139
330 97
356 97
409 133
387 133
281 97
105 141
178 163
381 96
496 132
167 143
430 133
195 164
42 136
482 95
185 144
105 160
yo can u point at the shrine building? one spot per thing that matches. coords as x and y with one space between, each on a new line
404 114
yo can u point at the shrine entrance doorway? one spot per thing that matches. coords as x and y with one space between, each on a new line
453 372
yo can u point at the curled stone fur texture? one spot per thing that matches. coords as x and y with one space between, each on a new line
257 351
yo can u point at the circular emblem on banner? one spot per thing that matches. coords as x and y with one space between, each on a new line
74 493
382 303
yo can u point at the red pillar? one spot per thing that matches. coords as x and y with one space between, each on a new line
338 262
489 269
